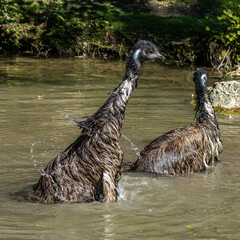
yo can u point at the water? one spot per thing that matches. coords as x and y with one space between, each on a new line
40 98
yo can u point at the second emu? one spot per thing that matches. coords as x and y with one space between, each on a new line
193 148
90 168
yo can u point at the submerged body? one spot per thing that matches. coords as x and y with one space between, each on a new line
192 148
90 168
182 150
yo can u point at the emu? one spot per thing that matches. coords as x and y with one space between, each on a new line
90 168
192 148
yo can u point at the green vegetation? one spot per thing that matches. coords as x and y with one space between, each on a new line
232 111
110 28
63 27
228 37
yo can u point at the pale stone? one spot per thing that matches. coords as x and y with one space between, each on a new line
225 94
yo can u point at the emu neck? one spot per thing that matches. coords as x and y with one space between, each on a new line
133 66
111 115
204 110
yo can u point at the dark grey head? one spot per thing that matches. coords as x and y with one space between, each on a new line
145 50
200 77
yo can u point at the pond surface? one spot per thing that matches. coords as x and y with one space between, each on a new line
40 98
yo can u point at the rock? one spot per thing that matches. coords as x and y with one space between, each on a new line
225 94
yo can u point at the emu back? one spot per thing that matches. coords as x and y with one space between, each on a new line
182 150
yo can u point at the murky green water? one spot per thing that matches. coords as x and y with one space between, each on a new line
39 98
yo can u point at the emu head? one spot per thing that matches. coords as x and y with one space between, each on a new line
145 50
200 77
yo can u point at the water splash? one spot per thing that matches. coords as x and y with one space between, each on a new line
68 116
122 193
134 148
34 151
51 148
41 154
130 188
40 163
56 194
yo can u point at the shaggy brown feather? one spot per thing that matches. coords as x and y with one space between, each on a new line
90 168
192 148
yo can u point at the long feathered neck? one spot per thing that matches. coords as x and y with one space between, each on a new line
117 102
133 67
110 117
204 110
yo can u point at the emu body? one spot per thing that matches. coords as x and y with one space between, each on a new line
90 168
192 148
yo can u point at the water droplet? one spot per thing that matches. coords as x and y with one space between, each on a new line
134 148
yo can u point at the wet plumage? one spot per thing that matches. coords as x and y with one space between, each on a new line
90 168
192 148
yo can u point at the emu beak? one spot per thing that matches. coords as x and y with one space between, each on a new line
160 56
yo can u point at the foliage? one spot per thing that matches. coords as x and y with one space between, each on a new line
100 28
53 25
228 35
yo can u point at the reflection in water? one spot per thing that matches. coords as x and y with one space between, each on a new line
34 131
108 226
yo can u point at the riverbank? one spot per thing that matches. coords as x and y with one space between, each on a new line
187 31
